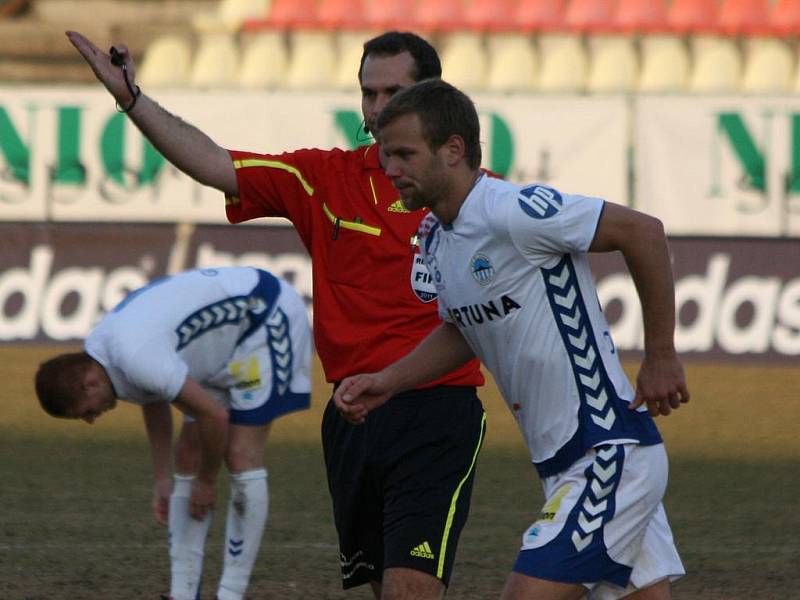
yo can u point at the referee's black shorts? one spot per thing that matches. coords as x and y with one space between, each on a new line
401 482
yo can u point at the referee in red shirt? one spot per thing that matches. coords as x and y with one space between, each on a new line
401 483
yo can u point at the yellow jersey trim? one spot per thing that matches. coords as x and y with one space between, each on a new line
350 224
275 164
451 513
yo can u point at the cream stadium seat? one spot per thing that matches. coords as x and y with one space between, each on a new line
768 66
464 60
166 62
513 63
564 64
717 65
613 64
216 61
351 46
230 14
312 61
665 64
264 59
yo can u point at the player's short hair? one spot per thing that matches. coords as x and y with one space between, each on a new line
59 382
443 111
393 43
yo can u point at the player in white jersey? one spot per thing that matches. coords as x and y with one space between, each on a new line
514 288
231 349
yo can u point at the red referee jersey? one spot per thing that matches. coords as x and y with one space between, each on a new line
373 299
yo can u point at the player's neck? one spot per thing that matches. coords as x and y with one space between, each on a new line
448 208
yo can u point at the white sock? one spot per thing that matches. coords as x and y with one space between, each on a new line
247 514
187 538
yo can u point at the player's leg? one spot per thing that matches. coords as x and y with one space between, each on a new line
187 535
248 507
523 587
426 454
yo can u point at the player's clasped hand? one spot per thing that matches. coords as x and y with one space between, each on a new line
661 385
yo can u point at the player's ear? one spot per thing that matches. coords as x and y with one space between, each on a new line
454 150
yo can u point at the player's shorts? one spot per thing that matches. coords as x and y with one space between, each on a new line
269 373
603 524
401 483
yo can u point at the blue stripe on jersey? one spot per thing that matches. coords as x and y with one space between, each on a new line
602 415
281 400
578 553
232 310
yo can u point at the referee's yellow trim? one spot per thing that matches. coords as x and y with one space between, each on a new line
451 513
275 164
350 224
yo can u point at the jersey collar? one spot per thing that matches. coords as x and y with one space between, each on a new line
371 156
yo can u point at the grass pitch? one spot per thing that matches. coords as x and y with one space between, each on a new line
75 521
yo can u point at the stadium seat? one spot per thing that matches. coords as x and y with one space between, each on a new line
464 60
166 62
264 59
784 18
613 65
287 14
564 63
490 15
342 14
589 15
439 15
235 12
687 16
216 61
513 63
641 15
768 66
665 63
312 62
739 17
390 14
350 47
717 65
539 15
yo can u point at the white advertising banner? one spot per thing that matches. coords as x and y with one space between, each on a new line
719 165
67 155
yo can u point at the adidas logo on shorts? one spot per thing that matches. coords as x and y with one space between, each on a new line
423 551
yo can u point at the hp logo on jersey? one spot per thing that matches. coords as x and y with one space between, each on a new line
482 269
539 202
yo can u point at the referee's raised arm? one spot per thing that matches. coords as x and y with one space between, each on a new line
185 146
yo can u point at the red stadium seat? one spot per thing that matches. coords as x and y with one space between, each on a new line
590 15
287 14
342 14
540 15
687 16
440 15
390 14
738 17
785 17
493 15
641 15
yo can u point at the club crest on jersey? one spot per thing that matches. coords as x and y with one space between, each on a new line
539 201
421 280
481 268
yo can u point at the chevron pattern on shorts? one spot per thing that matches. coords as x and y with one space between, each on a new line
601 478
280 345
562 288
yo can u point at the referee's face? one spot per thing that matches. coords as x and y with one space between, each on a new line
381 78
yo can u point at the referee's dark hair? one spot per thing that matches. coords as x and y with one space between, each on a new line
393 43
443 111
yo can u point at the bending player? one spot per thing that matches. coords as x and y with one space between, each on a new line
515 290
231 349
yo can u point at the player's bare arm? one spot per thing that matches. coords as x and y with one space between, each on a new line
443 351
661 383
185 146
158 423
212 425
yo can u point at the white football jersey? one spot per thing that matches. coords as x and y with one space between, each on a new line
512 273
204 324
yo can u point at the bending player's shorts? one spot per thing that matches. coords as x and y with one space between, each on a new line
603 524
269 373
401 483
